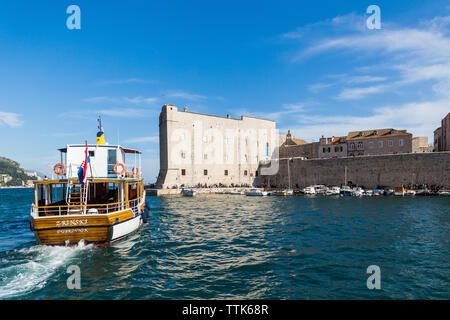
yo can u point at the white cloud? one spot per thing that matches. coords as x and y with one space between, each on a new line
186 95
10 119
285 110
125 81
112 112
420 119
358 93
122 100
154 139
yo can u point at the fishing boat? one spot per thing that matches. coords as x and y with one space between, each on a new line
96 197
333 191
346 191
358 192
189 192
286 192
377 193
309 190
256 193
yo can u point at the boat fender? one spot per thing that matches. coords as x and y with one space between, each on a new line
145 214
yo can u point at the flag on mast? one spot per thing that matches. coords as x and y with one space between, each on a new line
82 170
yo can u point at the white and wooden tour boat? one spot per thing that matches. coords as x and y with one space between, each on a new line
94 198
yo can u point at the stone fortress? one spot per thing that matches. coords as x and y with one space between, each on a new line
203 151
198 150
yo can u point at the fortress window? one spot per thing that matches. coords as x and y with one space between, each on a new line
205 172
380 144
352 146
360 145
226 172
183 172
390 143
183 155
400 142
371 145
245 172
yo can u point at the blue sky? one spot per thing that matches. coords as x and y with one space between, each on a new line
312 66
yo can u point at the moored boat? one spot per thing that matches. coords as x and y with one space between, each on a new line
346 191
256 193
309 190
189 192
91 200
399 191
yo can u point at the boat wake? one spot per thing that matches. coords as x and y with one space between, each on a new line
29 269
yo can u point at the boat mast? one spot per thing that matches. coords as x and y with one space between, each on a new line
289 173
345 178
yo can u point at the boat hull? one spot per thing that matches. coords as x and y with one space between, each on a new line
98 229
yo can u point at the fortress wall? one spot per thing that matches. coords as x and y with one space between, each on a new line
367 171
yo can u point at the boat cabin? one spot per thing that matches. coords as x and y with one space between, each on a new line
113 181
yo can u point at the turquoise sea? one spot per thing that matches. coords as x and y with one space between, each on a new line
237 247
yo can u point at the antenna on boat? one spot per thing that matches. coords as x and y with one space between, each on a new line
100 133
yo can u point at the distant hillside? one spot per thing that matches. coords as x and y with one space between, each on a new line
13 169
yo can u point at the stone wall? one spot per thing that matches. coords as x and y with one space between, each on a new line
367 171
309 150
207 150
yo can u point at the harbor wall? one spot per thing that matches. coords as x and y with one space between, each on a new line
368 171
173 192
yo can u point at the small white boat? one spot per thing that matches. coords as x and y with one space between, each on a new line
255 193
410 193
333 191
444 193
189 193
236 192
368 193
309 190
287 192
358 192
320 189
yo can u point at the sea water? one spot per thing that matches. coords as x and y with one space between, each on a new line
238 247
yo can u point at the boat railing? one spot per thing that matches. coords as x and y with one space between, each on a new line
87 209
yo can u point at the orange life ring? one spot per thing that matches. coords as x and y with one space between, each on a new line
121 165
59 169
135 172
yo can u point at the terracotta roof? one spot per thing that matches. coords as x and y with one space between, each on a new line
370 134
299 141
294 142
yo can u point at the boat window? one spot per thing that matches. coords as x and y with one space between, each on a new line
112 160
132 191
